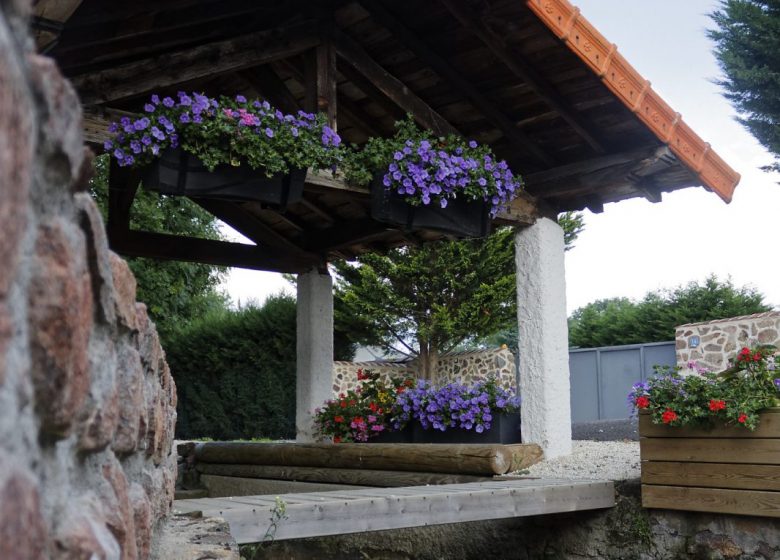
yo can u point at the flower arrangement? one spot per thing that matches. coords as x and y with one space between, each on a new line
454 406
735 396
357 415
426 170
226 131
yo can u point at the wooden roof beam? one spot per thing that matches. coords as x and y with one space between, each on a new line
48 21
414 43
146 75
352 53
345 235
207 251
521 69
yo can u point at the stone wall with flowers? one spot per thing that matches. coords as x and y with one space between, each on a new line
463 367
713 343
87 402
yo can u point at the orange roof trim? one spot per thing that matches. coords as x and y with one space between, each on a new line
635 92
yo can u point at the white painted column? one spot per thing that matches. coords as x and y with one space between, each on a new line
543 337
314 348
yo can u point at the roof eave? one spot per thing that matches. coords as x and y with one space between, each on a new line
623 80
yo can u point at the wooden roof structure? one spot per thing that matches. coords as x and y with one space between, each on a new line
533 79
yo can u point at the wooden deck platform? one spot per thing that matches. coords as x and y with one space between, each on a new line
353 511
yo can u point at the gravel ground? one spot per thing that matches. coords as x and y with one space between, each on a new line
611 460
606 430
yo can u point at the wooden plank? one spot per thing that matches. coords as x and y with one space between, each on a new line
712 475
712 500
394 512
768 427
454 459
711 450
456 80
359 477
391 86
142 76
49 17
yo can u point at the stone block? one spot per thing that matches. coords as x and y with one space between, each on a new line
16 158
98 257
118 510
124 286
81 535
142 518
60 317
23 530
131 399
768 336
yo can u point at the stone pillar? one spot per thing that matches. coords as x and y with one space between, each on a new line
314 349
543 345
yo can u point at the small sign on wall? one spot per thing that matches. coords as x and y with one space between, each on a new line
693 341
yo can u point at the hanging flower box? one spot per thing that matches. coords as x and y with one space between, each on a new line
505 429
461 217
232 149
406 435
177 172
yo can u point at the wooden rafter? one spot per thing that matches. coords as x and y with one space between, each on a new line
353 54
425 53
516 64
343 235
142 76
49 17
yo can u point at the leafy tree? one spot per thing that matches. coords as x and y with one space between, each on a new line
175 292
747 40
616 321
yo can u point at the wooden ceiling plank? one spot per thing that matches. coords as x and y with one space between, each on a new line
49 17
412 41
143 76
345 235
270 86
521 69
352 53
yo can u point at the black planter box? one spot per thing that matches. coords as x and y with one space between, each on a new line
400 436
504 429
462 218
176 172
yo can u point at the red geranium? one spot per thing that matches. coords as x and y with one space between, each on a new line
373 406
669 416
642 402
338 419
717 405
742 418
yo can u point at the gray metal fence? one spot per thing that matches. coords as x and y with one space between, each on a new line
601 378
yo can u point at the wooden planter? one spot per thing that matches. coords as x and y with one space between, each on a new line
400 436
723 470
176 172
462 218
505 429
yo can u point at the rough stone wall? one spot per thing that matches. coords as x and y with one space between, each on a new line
624 532
720 340
87 403
462 367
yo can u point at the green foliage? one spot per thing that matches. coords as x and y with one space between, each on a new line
175 292
747 40
616 321
428 299
572 223
235 372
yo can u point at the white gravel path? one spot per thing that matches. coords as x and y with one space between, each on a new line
610 460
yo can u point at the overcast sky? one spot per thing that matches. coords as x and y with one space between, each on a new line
635 246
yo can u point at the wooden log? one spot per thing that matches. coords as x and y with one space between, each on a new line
142 76
711 450
454 459
768 427
737 502
357 477
712 475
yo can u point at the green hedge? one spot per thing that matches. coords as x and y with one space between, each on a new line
235 373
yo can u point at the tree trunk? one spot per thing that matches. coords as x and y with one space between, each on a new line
428 360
